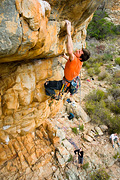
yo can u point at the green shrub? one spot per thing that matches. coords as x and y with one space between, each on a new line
102 110
100 114
117 60
109 66
96 95
117 74
107 57
74 130
117 80
96 70
86 64
100 174
91 71
116 155
100 27
70 158
86 165
102 75
81 128
115 92
114 124
115 106
114 81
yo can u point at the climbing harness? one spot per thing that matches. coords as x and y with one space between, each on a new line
70 86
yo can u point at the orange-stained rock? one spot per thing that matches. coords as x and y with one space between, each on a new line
37 27
12 148
12 131
47 158
29 40
4 137
33 11
43 69
8 120
3 157
22 160
39 134
55 106
56 140
0 107
25 105
16 146
10 99
27 129
43 113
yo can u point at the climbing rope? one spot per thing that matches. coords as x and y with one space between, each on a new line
80 111
80 103
61 65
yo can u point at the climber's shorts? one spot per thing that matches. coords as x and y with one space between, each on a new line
80 160
114 140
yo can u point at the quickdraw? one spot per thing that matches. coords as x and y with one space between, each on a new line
71 85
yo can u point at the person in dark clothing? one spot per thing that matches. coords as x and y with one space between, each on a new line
80 156
51 86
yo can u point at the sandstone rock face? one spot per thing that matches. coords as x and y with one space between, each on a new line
23 103
30 31
35 29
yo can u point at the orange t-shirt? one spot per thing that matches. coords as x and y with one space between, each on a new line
72 68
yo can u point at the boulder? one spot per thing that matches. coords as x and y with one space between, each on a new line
99 131
88 138
103 128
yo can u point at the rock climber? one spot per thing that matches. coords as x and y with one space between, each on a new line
80 156
74 63
114 138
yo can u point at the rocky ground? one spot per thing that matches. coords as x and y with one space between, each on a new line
98 151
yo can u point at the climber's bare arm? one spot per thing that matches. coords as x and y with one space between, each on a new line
69 41
112 141
65 56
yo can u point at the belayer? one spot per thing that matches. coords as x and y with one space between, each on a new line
80 156
71 80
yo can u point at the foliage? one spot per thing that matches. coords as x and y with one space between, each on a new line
86 165
101 109
115 106
96 95
113 80
81 128
100 27
116 155
94 64
107 57
102 75
115 92
117 60
70 158
74 130
114 124
100 174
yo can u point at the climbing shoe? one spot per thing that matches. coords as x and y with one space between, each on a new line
113 146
